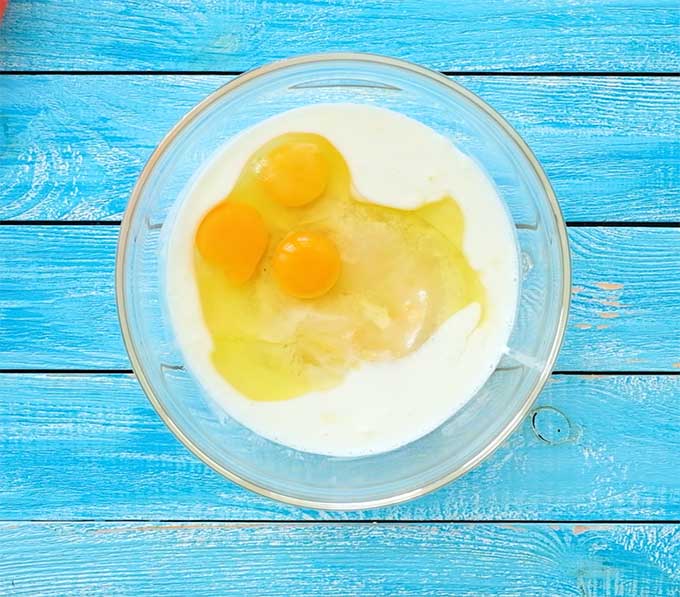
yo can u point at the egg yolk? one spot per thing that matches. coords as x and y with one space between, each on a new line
233 237
306 264
294 174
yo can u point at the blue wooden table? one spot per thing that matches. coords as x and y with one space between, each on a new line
98 498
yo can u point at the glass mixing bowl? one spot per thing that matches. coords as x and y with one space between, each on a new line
472 433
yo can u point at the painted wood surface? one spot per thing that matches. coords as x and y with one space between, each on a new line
88 446
485 35
91 447
530 560
58 307
71 147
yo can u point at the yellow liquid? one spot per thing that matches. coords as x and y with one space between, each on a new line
403 274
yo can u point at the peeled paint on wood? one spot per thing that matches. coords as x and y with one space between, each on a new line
482 560
59 308
74 146
91 446
566 35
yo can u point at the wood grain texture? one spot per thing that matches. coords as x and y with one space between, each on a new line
625 312
58 309
72 147
486 35
536 560
91 447
57 298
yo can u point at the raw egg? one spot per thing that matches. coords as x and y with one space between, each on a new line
302 280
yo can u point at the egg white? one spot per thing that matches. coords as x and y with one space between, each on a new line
379 406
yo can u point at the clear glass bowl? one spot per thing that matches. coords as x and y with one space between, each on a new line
471 434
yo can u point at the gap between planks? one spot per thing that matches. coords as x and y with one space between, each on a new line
447 73
346 522
569 223
575 372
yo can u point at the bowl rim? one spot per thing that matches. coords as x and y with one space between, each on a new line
120 283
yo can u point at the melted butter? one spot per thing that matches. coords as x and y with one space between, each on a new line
404 273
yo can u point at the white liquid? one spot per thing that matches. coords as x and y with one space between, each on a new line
394 161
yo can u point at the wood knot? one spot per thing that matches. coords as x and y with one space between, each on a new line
550 425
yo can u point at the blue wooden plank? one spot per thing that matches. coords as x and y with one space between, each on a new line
91 447
58 310
537 560
71 147
57 298
624 312
565 35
